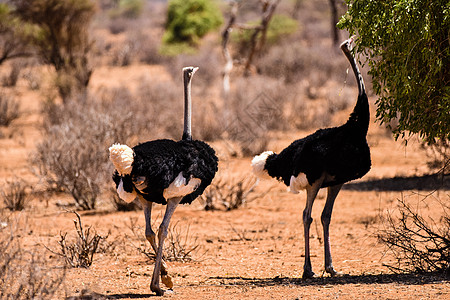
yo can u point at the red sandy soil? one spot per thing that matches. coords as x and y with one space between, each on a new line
254 252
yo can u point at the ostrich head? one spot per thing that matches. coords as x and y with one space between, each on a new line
189 71
122 157
347 43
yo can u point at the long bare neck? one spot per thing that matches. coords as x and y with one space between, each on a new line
361 114
359 79
188 72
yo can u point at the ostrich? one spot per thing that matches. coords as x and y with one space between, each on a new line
164 172
327 158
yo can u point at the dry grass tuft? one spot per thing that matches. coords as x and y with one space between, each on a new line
79 253
14 194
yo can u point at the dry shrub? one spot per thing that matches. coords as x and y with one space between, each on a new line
23 274
124 54
180 245
33 79
296 62
79 253
229 194
75 146
118 25
418 243
256 106
305 114
13 77
207 122
9 109
14 194
147 48
161 107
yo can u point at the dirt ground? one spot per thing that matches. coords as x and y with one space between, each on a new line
254 252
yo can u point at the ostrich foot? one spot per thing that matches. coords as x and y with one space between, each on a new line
157 290
330 270
167 280
307 274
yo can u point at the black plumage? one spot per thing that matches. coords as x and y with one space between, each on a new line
327 158
340 152
160 162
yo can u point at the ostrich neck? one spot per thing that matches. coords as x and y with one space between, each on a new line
359 78
187 133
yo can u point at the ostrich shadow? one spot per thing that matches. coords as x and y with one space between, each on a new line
398 183
218 281
407 279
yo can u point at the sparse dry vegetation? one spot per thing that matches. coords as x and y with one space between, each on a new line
230 193
23 273
80 252
75 149
14 194
419 243
9 109
181 245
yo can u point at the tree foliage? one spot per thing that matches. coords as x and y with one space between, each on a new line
189 20
63 39
279 27
407 42
14 35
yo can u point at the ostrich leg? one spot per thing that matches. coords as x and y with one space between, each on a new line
311 193
326 218
162 233
151 237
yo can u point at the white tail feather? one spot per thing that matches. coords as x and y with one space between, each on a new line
122 157
258 164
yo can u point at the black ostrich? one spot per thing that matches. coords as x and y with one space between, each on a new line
327 158
165 172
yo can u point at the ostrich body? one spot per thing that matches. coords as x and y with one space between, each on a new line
327 158
165 172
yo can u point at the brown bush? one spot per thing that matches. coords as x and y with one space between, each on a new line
160 108
295 62
23 273
418 243
75 146
9 109
79 253
14 194
13 77
255 107
230 194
